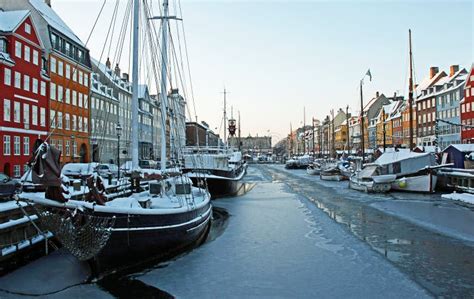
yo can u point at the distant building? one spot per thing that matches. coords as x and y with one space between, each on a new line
449 91
24 86
426 107
199 134
253 145
467 108
145 124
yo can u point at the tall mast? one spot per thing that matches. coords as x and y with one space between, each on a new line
225 119
134 137
362 122
410 93
164 78
348 135
304 130
239 131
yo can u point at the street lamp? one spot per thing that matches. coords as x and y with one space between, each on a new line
73 138
118 128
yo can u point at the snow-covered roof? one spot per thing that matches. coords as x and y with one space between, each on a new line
142 90
392 157
116 80
427 82
6 57
50 16
10 20
462 147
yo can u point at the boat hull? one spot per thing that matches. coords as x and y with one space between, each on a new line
313 171
218 187
419 183
332 177
139 238
369 186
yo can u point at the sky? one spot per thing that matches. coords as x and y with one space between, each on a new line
280 58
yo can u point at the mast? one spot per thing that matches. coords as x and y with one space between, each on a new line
362 122
304 130
134 137
312 128
239 131
225 119
410 93
348 135
164 77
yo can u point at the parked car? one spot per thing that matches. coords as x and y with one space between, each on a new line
79 170
106 169
147 164
8 186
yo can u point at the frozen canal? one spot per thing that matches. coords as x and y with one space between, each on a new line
294 236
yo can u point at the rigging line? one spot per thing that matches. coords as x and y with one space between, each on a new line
72 75
187 59
123 31
113 26
108 34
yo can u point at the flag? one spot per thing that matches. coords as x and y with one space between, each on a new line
369 74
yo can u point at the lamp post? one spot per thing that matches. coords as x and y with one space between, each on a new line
118 128
73 138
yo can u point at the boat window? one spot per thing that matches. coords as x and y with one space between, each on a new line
396 167
183 188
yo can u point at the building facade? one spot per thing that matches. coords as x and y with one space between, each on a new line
24 86
467 108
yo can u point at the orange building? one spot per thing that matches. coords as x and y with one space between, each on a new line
406 125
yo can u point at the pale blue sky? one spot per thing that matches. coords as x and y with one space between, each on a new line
275 57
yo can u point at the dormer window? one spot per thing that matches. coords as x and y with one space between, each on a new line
27 28
3 44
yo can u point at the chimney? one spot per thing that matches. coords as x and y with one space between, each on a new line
48 2
433 71
107 63
377 94
117 70
125 77
453 69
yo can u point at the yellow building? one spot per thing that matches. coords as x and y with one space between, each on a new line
340 137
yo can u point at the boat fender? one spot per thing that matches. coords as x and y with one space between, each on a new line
402 183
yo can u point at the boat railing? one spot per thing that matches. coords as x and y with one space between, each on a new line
207 150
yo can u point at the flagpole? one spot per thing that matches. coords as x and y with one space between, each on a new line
362 114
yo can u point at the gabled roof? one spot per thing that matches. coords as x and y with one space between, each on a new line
53 20
10 20
464 148
471 73
427 83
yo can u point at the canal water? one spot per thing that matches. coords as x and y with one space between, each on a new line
441 264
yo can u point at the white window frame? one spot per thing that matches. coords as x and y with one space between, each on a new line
17 80
7 77
60 68
27 28
16 145
35 57
43 116
34 86
26 113
34 115
53 64
26 83
18 49
16 112
26 145
52 91
60 93
43 88
27 53
7 147
7 110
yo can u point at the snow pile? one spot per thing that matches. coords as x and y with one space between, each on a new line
464 197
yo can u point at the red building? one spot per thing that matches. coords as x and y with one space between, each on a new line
24 88
467 108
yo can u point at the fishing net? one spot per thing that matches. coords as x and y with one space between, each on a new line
82 235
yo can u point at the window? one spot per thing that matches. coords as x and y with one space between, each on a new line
52 91
16 112
34 87
53 65
60 93
7 77
68 148
92 103
27 28
52 118
26 146
17 80
86 126
79 124
67 121
86 101
86 80
74 74
81 77
6 145
79 102
74 148
26 83
6 110
34 115
60 145
16 145
68 71
16 171
74 98
35 57
74 123
468 108
26 113
18 49
60 68
68 96
43 88
463 109
60 120
467 92
27 53
43 117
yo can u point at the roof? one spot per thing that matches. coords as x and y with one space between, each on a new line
50 16
10 20
427 82
392 157
116 80
464 148
142 90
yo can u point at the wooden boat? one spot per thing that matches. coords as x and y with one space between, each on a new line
369 179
